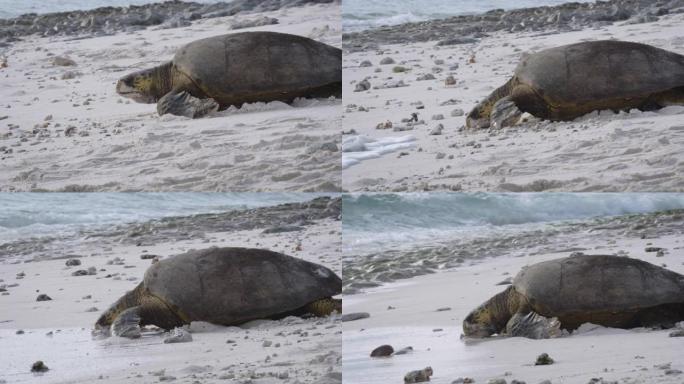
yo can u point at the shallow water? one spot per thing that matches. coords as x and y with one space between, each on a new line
11 8
34 214
366 14
386 221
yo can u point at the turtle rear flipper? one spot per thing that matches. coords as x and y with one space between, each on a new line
533 326
184 104
324 307
127 324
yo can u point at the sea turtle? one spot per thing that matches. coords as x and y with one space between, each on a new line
564 293
220 71
225 286
569 81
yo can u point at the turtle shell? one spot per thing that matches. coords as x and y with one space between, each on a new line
258 66
596 71
233 285
597 284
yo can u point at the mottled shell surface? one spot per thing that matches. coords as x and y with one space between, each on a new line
595 283
600 70
233 285
258 65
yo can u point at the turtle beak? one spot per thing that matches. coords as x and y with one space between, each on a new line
473 327
124 87
475 121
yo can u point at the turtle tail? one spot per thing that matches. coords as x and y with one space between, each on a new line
479 116
324 307
129 300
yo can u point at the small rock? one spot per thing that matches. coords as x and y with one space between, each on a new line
73 262
178 335
39 366
677 333
43 297
63 61
418 376
355 316
436 131
463 380
544 359
427 76
387 60
404 351
449 81
362 85
382 351
366 63
457 112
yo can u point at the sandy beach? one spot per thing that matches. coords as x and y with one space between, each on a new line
601 151
425 312
64 128
58 332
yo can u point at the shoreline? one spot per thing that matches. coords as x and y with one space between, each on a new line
466 29
111 20
391 266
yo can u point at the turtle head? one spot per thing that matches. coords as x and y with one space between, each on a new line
129 300
146 86
492 316
478 117
478 323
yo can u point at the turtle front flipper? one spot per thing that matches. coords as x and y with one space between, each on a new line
185 104
533 326
479 117
127 324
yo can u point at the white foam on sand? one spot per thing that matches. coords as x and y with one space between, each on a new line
355 149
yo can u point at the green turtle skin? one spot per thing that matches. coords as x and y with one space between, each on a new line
226 286
240 68
608 290
569 81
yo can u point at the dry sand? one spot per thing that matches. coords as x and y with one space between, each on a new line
405 313
636 151
115 144
59 331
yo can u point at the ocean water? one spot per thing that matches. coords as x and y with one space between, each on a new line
25 215
13 8
366 14
381 221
